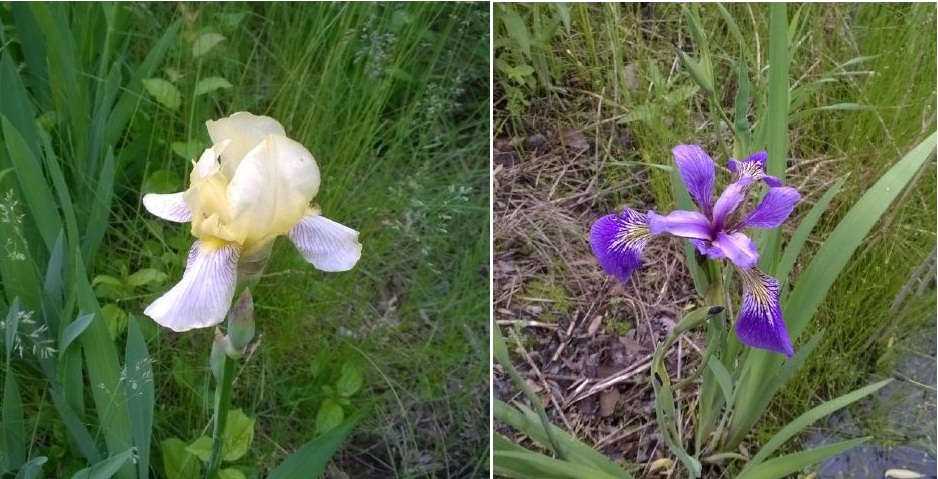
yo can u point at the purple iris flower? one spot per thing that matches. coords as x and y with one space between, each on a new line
716 230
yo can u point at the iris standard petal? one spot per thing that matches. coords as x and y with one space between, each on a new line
774 208
729 200
737 247
760 322
272 188
698 173
327 245
171 207
245 131
618 241
686 224
201 299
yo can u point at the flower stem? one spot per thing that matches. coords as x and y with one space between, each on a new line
222 403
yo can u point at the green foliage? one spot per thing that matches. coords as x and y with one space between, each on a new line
852 89
102 103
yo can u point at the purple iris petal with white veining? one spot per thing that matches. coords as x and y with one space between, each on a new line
715 231
760 322
617 242
754 168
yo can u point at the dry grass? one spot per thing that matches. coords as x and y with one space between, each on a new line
582 339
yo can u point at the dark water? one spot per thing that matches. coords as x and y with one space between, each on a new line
901 417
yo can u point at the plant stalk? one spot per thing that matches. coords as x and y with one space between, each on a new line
222 404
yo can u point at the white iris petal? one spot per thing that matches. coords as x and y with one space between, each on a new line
203 295
327 245
171 207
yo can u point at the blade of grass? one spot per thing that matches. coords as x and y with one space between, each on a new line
33 184
809 418
800 236
311 459
788 464
103 369
12 426
535 464
105 469
527 422
776 120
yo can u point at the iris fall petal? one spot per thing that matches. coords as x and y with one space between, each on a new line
202 297
170 207
327 245
760 322
617 242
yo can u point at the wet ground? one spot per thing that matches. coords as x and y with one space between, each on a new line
901 416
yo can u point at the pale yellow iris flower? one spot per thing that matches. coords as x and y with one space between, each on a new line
252 185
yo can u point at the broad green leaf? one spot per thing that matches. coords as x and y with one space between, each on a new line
165 181
808 418
696 71
13 426
42 208
164 92
108 280
187 150
350 380
783 466
515 27
177 462
311 459
329 415
205 43
32 469
230 473
73 330
146 276
116 319
231 20
201 448
210 84
105 469
722 376
239 433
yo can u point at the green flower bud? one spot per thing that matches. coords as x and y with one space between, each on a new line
220 346
241 323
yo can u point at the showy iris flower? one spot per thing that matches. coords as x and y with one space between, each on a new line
716 230
253 185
